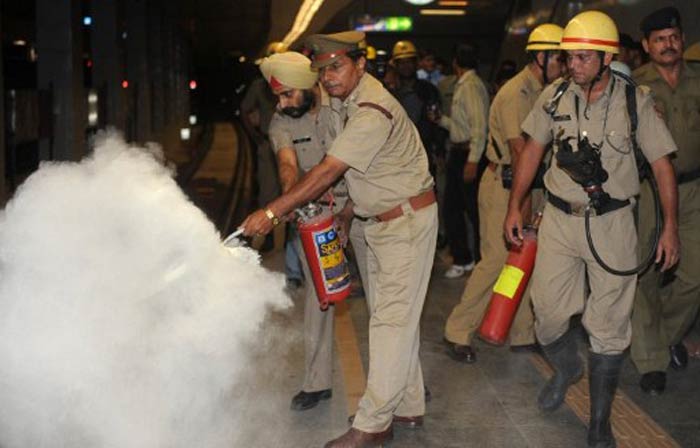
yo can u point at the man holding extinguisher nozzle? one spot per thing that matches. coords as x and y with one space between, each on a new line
382 159
301 131
591 186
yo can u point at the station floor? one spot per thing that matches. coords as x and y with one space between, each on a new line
487 404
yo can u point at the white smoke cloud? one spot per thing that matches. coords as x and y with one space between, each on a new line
124 322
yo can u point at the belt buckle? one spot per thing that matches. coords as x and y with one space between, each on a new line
579 210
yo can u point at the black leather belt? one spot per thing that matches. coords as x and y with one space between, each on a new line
689 176
580 209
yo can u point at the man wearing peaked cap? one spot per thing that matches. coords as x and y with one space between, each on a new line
301 131
381 157
586 116
665 306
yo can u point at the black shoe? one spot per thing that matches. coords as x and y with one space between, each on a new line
307 400
562 354
461 353
679 356
527 348
653 383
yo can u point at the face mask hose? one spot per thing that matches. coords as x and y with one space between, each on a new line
585 168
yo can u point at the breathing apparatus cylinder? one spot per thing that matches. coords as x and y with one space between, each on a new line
324 253
509 288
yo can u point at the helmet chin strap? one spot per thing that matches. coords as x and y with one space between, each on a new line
545 78
598 77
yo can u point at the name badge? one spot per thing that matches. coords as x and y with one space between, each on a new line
301 140
562 118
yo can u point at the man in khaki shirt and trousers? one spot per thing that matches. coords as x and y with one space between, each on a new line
301 131
590 113
508 110
666 305
380 154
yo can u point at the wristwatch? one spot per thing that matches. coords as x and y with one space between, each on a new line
275 220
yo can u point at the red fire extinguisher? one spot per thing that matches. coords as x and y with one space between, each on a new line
324 253
509 288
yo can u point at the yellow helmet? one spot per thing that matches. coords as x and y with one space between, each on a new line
371 53
404 49
274 48
591 30
545 37
692 53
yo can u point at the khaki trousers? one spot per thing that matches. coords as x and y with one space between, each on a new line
318 325
467 315
558 282
663 314
399 263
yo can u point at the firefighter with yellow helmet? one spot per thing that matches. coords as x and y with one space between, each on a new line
591 184
509 108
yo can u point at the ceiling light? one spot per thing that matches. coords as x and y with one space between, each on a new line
442 12
453 3
306 12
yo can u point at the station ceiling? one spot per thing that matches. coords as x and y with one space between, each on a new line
229 26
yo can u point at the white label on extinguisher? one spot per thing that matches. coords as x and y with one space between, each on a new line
509 280
336 276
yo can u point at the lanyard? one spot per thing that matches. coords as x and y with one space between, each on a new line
605 118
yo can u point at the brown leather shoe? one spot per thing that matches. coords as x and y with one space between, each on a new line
355 438
408 422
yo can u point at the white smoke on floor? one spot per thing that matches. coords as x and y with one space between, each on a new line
124 322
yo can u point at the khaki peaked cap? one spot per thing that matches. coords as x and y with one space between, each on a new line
327 48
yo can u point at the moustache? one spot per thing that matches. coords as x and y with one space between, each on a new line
669 51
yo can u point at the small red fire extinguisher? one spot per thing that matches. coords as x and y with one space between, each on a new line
324 253
509 287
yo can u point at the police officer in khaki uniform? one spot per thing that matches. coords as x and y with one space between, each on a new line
508 110
666 305
301 130
383 161
589 120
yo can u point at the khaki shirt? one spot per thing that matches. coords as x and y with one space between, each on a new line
510 107
469 112
617 154
259 97
381 145
309 136
680 110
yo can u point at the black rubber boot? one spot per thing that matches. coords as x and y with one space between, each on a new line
604 372
562 354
